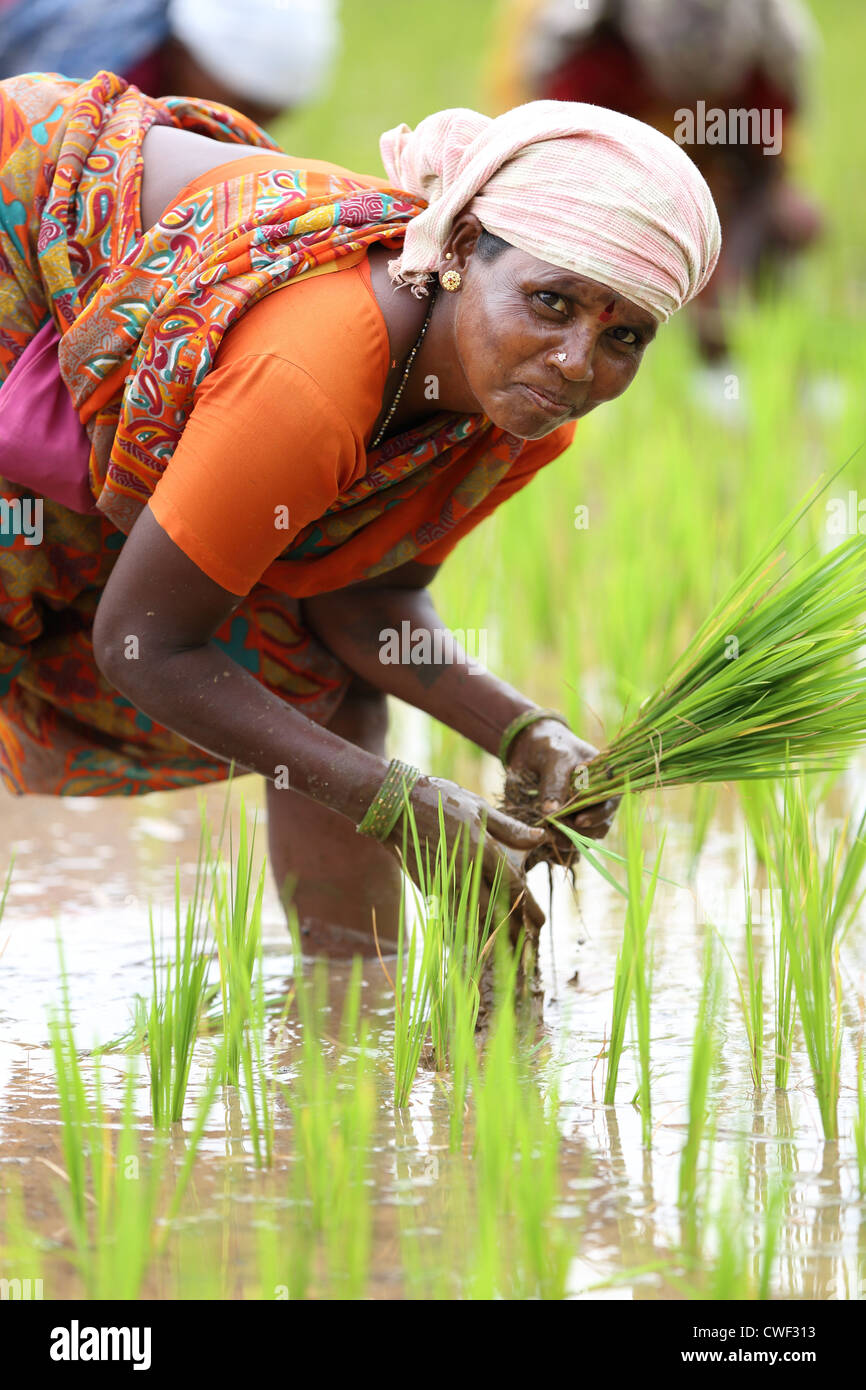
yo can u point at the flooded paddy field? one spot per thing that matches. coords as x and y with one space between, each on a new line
385 1202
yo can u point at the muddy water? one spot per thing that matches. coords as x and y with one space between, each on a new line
92 868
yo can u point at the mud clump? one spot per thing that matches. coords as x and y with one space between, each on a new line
521 799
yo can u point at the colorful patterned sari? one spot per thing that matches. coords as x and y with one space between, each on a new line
142 317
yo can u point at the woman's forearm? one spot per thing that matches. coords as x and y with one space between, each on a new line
367 628
211 701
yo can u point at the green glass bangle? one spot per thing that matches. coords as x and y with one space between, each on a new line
529 716
384 810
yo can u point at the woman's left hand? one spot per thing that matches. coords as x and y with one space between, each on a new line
549 753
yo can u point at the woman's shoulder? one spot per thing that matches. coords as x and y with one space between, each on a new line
177 164
326 325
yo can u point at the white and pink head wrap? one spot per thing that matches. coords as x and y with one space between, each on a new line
578 186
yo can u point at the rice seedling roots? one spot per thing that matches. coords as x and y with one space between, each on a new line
520 800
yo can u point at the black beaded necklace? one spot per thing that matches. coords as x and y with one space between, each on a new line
374 444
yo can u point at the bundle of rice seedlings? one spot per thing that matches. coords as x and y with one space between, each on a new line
773 683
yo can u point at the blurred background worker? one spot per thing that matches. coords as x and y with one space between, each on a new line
653 59
262 57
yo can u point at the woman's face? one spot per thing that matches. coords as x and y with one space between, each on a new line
538 346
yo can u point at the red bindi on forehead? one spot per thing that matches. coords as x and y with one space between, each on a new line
607 312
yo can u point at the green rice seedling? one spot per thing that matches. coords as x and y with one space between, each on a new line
237 928
332 1111
257 1078
846 885
820 897
140 1198
257 1083
758 803
633 973
703 1063
411 985
437 987
462 1045
773 674
79 1134
751 995
818 987
128 1199
637 922
821 893
523 1246
260 1089
754 1013
623 985
767 827
175 1007
461 941
785 1007
109 1204
460 951
235 906
113 1194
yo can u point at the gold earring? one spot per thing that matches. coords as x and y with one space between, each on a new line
451 280
448 255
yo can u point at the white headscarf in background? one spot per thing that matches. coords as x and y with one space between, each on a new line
275 52
578 186
691 48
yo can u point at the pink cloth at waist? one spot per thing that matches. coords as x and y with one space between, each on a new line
43 445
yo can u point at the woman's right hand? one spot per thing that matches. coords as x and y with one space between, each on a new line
507 841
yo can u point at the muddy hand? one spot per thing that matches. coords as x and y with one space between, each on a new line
506 841
549 753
